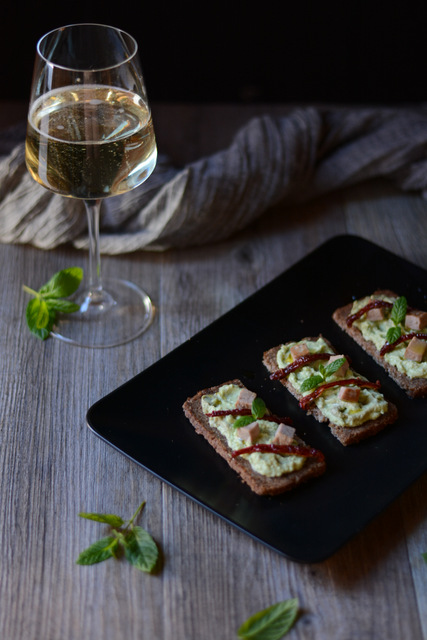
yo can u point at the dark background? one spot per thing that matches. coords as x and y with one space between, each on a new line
301 51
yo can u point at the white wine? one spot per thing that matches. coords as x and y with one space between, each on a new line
90 141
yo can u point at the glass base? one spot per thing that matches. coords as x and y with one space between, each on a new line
112 316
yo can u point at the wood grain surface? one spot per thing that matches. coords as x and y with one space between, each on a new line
212 576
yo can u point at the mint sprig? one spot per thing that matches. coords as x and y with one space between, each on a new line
324 373
50 299
258 410
398 314
135 542
271 623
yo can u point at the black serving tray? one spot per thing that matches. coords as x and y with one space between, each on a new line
144 420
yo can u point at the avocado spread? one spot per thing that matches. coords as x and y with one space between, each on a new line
371 403
268 464
376 331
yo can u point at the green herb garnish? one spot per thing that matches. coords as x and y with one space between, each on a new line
424 556
258 410
137 545
271 623
398 314
324 372
50 299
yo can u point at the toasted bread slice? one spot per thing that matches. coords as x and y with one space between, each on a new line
259 483
346 435
414 387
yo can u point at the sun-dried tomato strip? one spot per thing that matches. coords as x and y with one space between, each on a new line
298 363
229 412
403 338
305 400
374 304
281 449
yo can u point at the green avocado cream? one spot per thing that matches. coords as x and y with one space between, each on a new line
267 464
371 402
376 332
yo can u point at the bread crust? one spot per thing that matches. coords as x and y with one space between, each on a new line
262 485
414 387
346 435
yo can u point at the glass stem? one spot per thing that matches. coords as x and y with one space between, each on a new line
96 300
93 208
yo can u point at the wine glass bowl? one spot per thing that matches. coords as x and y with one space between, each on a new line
90 136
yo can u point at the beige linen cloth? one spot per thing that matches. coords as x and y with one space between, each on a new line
271 160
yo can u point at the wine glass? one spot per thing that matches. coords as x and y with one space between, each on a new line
90 136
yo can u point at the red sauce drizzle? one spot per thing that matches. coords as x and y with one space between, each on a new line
248 412
281 449
229 412
338 383
404 338
374 304
299 362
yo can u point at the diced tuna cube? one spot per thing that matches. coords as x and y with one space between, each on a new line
340 373
416 320
299 350
249 433
415 350
349 394
284 434
376 314
245 399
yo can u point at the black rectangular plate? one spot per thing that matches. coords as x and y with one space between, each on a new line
144 420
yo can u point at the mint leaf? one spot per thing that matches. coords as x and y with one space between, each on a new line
258 408
424 556
37 314
98 551
243 421
311 382
63 283
393 334
106 518
49 300
39 318
271 623
63 306
333 367
141 550
398 311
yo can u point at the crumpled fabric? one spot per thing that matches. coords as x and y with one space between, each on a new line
271 160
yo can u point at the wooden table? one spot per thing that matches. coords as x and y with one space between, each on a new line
52 467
